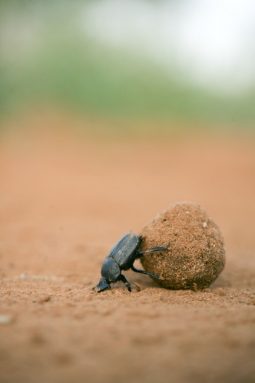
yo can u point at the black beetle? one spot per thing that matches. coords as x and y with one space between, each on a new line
122 257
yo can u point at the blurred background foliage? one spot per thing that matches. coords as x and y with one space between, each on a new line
48 59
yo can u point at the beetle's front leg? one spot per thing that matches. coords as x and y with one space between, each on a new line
124 280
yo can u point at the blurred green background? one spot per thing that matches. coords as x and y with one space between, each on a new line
126 60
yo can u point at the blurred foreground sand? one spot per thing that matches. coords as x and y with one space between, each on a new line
64 201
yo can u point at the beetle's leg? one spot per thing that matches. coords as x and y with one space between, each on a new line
155 276
156 249
124 280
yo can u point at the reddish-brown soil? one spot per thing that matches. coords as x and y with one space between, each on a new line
64 200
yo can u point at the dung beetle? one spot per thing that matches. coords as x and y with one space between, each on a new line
122 257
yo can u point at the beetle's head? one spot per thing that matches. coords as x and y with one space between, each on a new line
102 285
110 270
110 273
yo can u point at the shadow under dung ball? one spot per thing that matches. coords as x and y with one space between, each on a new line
195 255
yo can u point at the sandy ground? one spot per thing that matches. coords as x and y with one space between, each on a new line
64 202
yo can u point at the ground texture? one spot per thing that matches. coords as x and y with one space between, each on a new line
64 202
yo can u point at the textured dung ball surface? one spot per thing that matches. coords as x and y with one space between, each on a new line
195 255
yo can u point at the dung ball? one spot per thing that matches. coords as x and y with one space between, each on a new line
195 254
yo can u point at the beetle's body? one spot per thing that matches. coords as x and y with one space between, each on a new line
125 251
122 257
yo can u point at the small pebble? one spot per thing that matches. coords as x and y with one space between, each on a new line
45 299
5 319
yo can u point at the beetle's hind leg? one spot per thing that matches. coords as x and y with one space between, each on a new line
155 276
156 249
125 281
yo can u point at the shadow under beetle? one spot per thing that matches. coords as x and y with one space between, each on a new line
122 257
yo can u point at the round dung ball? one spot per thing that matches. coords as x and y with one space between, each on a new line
195 253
